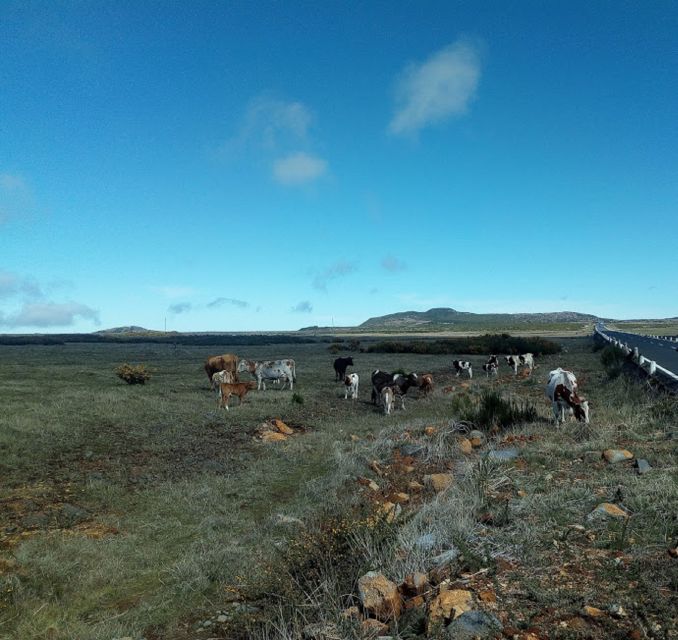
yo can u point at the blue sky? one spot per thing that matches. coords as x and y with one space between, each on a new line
226 166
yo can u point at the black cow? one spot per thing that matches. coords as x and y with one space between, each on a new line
398 382
340 366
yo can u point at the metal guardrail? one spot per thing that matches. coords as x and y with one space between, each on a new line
650 366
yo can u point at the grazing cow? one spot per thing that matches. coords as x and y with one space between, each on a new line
228 389
269 370
491 369
222 376
514 362
388 399
462 365
561 390
226 362
493 360
340 366
399 382
351 382
426 384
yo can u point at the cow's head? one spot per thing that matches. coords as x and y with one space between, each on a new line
244 365
581 410
349 360
509 359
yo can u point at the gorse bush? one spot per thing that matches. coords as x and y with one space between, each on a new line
133 374
478 345
492 410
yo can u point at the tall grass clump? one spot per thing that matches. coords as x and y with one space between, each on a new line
492 410
612 360
133 374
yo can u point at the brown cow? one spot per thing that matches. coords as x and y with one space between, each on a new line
227 362
228 389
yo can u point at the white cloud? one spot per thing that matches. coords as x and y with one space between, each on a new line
436 89
298 168
49 314
393 264
337 270
302 307
12 284
220 302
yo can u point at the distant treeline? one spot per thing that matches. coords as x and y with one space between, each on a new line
175 339
477 345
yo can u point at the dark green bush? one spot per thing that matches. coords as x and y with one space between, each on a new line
493 410
133 374
612 360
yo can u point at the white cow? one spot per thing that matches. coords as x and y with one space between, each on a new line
351 382
269 370
561 390
463 365
527 360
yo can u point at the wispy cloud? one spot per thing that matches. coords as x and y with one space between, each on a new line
49 314
12 284
440 87
298 168
180 307
220 302
393 264
337 270
16 197
302 307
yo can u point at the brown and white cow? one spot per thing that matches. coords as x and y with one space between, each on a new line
226 362
351 382
562 391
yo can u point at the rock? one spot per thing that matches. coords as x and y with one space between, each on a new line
617 455
488 596
642 466
415 486
400 498
449 605
415 603
503 455
379 596
355 438
477 438
372 628
273 436
222 618
389 511
373 485
411 449
282 427
320 631
446 557
281 518
473 624
607 509
415 583
439 481
465 446
593 612
429 431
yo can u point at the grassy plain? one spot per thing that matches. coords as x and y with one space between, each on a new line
139 511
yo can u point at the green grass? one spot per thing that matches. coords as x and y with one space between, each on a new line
177 505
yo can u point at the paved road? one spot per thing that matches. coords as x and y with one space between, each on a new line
662 351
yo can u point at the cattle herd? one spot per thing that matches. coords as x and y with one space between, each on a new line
387 388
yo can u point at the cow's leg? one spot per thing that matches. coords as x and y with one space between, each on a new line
470 373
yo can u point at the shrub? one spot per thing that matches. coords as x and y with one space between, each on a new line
133 374
492 410
298 398
612 360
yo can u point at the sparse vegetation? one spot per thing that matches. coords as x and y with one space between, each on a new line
612 360
133 374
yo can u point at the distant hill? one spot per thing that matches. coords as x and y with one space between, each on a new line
130 329
447 316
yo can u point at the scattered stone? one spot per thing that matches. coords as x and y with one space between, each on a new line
642 466
415 486
429 431
477 438
389 511
593 612
273 436
411 449
400 498
449 605
373 485
282 427
617 455
408 468
379 596
372 628
416 583
465 446
473 624
439 481
607 509
503 455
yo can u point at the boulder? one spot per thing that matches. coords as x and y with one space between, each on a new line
379 596
617 455
608 510
503 455
642 466
471 625
449 605
439 481
273 436
465 446
477 438
282 427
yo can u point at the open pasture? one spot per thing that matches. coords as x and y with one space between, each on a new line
133 510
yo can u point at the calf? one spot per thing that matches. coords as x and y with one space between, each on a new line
526 360
462 365
340 366
562 391
228 389
491 369
387 399
351 382
426 384
222 376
